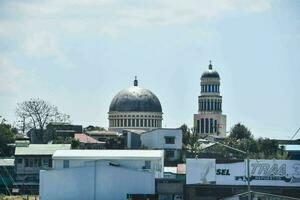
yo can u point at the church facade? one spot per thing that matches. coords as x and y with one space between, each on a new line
209 120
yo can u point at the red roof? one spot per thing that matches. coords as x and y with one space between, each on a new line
181 168
83 138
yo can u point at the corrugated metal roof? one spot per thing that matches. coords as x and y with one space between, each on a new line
291 147
170 170
83 138
7 162
41 149
109 154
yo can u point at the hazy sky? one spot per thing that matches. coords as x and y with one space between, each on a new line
78 54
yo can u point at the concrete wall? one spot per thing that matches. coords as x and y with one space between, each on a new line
98 181
156 139
156 165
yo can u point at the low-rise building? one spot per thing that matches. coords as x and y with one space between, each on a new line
149 160
167 139
87 142
6 175
29 160
101 174
293 150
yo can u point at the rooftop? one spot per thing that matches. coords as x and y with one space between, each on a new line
83 138
99 133
7 162
109 154
40 149
291 147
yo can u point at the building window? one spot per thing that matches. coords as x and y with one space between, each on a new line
45 162
129 122
215 126
133 122
198 126
121 122
26 162
50 163
202 125
206 125
66 163
169 153
145 122
147 164
137 122
125 122
142 122
211 125
20 161
170 140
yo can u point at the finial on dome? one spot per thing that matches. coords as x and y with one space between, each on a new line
135 83
210 65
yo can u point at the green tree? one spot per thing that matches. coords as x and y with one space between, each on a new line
240 131
7 136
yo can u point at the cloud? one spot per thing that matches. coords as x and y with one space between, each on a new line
40 44
9 76
43 44
110 17
36 25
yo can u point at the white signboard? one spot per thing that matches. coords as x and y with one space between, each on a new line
203 171
262 172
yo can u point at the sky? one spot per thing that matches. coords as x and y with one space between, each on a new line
78 54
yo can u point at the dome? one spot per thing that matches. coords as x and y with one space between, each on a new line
210 73
135 99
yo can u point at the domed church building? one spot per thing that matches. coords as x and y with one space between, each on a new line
135 108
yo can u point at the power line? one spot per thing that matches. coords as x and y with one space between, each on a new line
295 134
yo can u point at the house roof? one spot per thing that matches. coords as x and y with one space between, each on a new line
137 131
40 149
109 154
7 162
163 129
83 138
99 133
181 169
291 147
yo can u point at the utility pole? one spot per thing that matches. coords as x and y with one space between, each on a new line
248 176
247 163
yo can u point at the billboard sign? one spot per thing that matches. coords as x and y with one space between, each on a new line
262 172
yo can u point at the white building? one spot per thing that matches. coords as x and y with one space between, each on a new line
169 140
149 160
101 174
210 120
